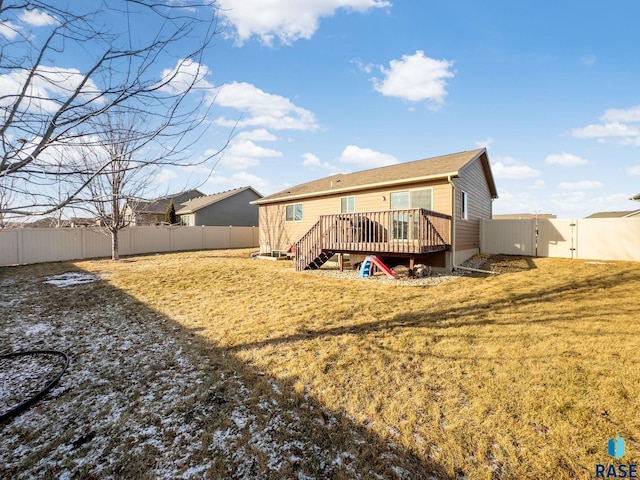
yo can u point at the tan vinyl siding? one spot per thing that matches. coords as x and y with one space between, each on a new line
276 234
473 182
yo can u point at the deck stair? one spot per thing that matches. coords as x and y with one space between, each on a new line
319 261
309 252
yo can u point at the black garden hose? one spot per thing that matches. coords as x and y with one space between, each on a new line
30 401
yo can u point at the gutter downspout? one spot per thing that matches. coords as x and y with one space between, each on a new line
453 235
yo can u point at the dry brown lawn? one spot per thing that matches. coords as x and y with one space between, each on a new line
526 374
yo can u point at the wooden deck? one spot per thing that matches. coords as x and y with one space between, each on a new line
411 232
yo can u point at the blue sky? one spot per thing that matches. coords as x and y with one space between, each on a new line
316 87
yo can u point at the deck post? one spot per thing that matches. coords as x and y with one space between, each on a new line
341 262
412 261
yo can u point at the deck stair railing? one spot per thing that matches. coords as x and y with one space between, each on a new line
309 252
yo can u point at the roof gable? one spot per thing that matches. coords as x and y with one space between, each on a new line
160 205
624 214
204 201
419 170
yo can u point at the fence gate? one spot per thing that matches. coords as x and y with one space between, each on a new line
587 238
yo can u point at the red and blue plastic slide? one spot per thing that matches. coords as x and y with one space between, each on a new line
365 269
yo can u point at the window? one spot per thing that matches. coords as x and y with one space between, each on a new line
422 198
464 211
348 204
294 212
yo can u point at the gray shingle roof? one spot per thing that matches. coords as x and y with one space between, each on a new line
206 200
436 167
626 213
160 205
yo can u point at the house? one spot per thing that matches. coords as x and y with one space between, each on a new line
635 197
232 207
152 212
625 214
425 211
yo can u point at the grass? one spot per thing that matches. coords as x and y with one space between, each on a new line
521 375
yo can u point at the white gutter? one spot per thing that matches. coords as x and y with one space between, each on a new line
453 235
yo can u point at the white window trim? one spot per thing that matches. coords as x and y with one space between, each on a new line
354 203
464 205
409 192
293 205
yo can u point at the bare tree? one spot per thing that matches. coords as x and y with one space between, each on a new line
124 148
66 65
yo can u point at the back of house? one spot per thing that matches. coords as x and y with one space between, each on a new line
425 211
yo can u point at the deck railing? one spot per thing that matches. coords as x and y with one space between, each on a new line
411 231
415 230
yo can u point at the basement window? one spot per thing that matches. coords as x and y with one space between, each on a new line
294 212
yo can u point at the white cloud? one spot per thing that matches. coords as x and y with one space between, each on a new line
514 203
635 171
262 109
47 85
509 168
186 75
239 179
245 153
259 135
582 185
586 203
622 115
538 184
286 20
415 78
570 201
565 159
366 158
364 67
613 129
486 143
164 176
9 30
37 18
312 161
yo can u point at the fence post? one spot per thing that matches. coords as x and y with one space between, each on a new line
20 245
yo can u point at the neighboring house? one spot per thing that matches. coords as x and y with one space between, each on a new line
152 212
635 197
425 211
523 216
232 207
77 222
625 214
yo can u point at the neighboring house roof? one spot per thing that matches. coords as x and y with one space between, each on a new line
434 168
635 197
160 205
522 216
204 201
628 213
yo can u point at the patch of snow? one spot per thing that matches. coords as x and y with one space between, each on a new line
38 329
70 279
275 387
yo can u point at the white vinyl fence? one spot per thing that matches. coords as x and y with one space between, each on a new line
589 238
36 245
